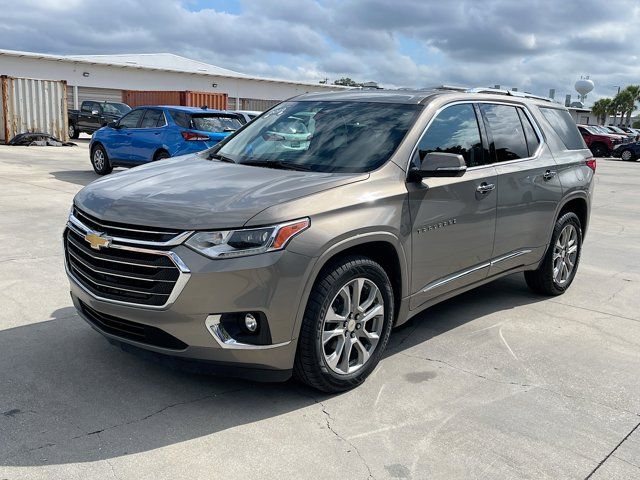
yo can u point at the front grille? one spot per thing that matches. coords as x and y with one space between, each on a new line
123 230
129 330
123 275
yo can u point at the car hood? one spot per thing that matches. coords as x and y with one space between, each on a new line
192 193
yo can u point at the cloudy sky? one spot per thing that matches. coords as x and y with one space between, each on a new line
533 45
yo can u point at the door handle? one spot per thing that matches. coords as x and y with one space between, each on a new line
549 174
485 187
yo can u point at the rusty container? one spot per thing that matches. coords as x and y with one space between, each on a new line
33 105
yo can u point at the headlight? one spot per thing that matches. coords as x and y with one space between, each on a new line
249 241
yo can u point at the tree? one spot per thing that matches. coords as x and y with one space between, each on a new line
634 90
625 103
347 82
601 109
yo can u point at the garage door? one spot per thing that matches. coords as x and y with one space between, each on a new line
96 94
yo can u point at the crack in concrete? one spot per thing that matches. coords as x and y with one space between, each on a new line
330 419
522 384
137 420
612 451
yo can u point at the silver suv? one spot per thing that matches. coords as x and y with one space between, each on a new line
295 245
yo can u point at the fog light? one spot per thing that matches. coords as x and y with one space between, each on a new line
250 322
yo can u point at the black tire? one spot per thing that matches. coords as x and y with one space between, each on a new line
631 156
73 131
542 280
104 167
599 150
310 364
161 155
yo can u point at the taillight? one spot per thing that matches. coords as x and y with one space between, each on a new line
591 163
193 136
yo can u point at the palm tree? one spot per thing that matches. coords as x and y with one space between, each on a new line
601 109
634 90
625 103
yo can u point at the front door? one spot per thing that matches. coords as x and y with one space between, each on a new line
120 145
453 218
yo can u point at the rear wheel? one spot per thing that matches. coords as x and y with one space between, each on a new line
560 264
100 160
627 155
161 155
346 325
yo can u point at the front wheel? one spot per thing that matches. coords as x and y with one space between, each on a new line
73 131
346 325
560 263
100 160
627 155
599 150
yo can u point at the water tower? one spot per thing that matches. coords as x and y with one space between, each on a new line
583 87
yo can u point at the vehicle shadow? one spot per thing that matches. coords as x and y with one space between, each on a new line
77 177
68 396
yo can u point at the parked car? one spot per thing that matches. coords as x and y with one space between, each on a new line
627 152
147 134
600 144
300 261
247 115
617 130
631 131
94 115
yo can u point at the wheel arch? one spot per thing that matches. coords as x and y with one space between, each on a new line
160 149
382 247
579 205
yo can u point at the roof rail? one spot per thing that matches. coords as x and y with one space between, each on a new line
513 93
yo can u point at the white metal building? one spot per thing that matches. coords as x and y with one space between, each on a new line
103 77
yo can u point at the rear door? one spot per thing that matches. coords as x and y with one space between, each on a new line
529 188
120 145
146 141
453 218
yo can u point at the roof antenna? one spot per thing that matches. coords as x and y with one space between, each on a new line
204 107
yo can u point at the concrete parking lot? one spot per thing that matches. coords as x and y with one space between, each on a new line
497 383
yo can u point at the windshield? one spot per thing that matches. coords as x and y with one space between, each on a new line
323 136
115 108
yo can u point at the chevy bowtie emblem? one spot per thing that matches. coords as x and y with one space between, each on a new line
97 241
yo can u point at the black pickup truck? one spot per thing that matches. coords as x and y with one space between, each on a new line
94 115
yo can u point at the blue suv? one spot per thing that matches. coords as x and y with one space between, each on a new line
146 134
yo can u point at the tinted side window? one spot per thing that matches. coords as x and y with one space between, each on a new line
151 118
532 138
565 127
454 130
89 106
504 128
130 120
182 119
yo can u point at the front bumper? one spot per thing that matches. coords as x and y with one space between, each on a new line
271 283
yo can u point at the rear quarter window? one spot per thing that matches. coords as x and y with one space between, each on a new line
564 126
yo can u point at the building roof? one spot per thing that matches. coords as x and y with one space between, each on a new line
167 62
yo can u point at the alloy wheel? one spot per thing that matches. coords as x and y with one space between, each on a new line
352 326
98 159
565 255
626 155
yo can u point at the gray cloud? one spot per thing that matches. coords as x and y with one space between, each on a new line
534 45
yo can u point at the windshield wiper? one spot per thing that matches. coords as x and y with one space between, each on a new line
220 157
281 164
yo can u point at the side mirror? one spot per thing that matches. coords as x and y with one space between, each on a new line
438 164
95 112
113 125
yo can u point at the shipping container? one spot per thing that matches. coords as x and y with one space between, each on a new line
137 98
32 105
